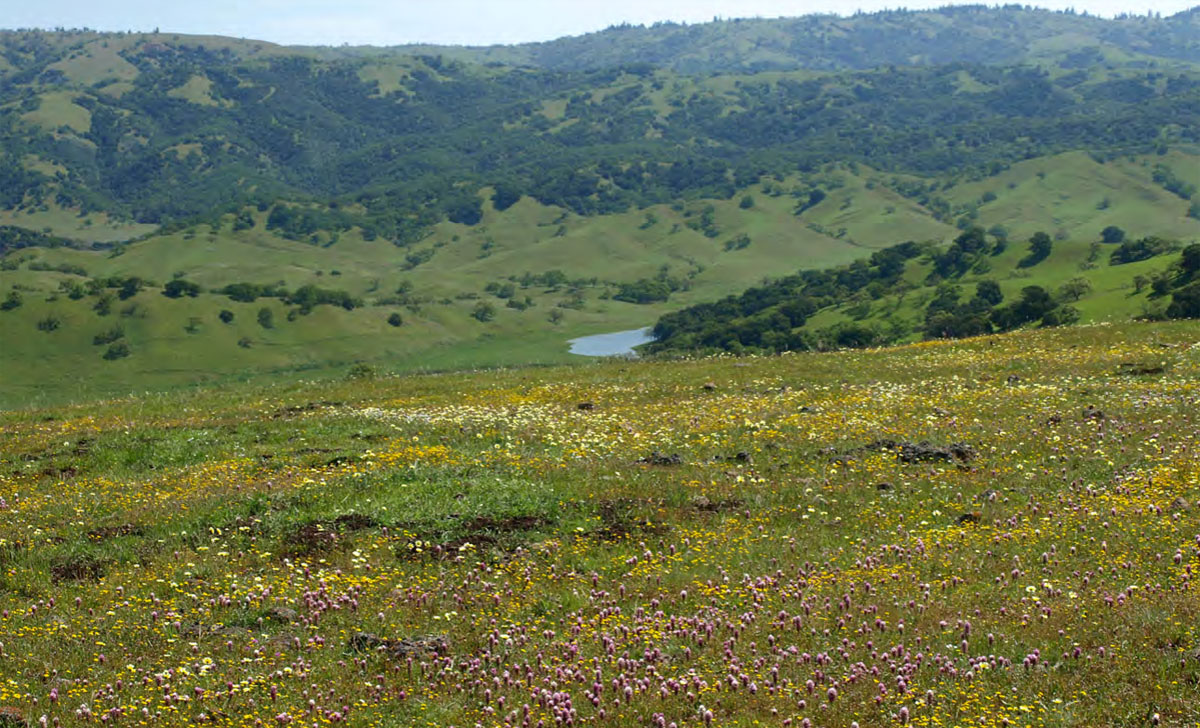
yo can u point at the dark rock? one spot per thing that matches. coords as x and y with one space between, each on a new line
1054 419
1091 413
282 614
658 458
1013 379
418 645
586 406
1137 369
924 452
365 641
1180 504
909 452
739 457
107 532
968 518
709 386
883 486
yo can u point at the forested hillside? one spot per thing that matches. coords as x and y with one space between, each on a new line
183 208
155 128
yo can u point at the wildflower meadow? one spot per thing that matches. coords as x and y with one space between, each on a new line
1001 531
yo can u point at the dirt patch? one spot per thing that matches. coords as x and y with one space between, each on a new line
355 522
481 531
301 409
619 520
63 471
78 568
322 537
705 505
486 531
107 532
310 539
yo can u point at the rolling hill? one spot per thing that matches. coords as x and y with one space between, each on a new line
433 208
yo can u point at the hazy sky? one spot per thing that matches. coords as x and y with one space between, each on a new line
477 22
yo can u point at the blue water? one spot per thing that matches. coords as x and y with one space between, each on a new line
620 343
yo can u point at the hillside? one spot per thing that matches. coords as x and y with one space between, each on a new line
151 129
978 34
979 284
543 274
1001 531
428 209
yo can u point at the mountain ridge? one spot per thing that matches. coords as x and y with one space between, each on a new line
962 33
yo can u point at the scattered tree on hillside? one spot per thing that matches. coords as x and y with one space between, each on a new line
116 333
1135 250
130 287
119 350
1112 234
484 312
1075 289
1039 249
179 288
1185 302
1189 261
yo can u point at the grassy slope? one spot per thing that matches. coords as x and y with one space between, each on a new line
531 238
1066 192
1111 299
242 535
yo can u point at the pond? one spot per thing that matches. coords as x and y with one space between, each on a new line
619 343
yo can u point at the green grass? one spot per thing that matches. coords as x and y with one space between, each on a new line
94 227
197 90
58 109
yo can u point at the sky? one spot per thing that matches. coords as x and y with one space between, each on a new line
462 22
